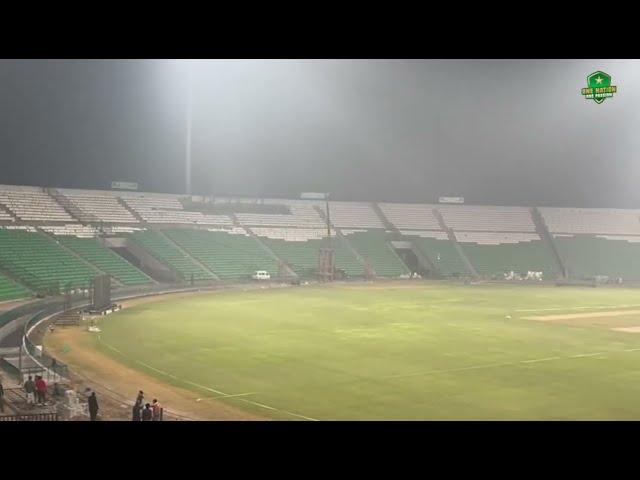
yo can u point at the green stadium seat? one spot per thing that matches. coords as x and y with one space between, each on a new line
171 256
10 290
230 256
586 256
373 246
40 262
302 256
109 262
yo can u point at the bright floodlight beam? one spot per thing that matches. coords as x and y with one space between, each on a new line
187 172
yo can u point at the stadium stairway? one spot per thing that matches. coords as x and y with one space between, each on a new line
10 289
40 263
302 256
187 254
230 256
543 231
69 207
289 271
387 223
167 253
373 246
452 238
136 215
58 241
347 244
94 252
342 238
441 254
7 212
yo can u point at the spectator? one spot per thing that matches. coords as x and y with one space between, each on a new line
157 410
140 398
137 412
147 413
93 406
56 390
41 389
30 388
1 396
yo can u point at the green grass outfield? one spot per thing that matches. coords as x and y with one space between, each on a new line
392 352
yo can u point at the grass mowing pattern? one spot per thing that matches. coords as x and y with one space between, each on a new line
393 352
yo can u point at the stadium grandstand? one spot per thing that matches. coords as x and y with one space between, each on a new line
54 240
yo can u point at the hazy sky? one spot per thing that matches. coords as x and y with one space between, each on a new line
494 131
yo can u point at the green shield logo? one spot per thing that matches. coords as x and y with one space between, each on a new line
599 87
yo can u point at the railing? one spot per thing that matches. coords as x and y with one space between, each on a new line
41 357
30 417
10 369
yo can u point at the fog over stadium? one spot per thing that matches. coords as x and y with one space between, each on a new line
504 132
168 251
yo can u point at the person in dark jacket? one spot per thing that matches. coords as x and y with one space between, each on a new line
1 396
156 409
30 388
147 413
93 406
136 412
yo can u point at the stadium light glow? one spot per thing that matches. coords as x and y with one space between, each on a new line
189 113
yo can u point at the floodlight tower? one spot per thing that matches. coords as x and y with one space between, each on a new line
328 217
327 255
189 125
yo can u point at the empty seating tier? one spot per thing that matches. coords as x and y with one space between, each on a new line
169 210
32 204
99 208
40 262
592 220
10 290
354 215
494 254
230 256
372 245
586 256
487 219
302 214
109 262
5 216
299 248
167 253
76 229
442 253
410 215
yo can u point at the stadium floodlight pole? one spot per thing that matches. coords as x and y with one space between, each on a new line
326 199
189 125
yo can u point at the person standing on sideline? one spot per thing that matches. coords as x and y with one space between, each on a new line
157 410
140 398
147 413
30 388
93 406
41 389
136 412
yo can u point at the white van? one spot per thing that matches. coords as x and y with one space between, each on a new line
261 275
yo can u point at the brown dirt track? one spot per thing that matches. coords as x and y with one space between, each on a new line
618 320
117 385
